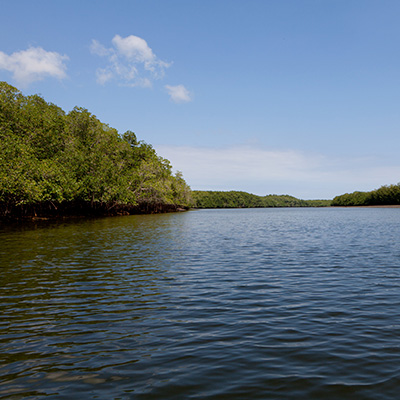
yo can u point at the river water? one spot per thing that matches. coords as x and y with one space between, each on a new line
208 304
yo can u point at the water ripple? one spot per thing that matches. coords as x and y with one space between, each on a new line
218 304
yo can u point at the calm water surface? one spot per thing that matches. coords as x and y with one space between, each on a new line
211 304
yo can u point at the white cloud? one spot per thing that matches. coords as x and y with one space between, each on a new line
178 94
98 49
135 48
33 64
262 171
130 60
103 76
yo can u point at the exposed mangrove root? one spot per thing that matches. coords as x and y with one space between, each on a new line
51 209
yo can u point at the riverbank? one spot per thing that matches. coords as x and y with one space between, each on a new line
51 210
377 206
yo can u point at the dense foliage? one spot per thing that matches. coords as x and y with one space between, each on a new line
235 199
385 195
52 162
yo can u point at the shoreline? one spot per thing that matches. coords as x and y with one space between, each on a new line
374 206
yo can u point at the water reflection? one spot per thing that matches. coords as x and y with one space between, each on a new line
74 296
209 304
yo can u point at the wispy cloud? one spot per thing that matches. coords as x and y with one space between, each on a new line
33 64
130 60
178 94
263 171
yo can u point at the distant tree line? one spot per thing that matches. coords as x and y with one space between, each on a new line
385 195
57 163
237 199
52 163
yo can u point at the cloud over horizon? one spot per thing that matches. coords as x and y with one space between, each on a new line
33 64
264 171
130 60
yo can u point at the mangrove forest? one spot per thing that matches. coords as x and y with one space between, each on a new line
56 163
237 199
384 196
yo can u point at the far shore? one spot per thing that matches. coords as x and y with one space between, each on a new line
377 206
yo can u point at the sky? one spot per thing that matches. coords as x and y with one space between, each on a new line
296 97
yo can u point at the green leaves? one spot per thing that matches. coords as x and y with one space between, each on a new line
385 195
49 156
236 199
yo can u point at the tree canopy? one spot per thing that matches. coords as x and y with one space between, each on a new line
385 195
237 199
51 160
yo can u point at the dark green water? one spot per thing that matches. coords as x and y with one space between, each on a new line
211 304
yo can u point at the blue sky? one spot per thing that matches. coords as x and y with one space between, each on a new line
295 97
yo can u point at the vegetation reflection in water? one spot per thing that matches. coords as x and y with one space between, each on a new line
207 304
68 287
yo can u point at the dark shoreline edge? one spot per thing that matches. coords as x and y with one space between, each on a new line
371 206
86 210
51 210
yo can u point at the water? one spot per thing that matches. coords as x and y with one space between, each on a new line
210 304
